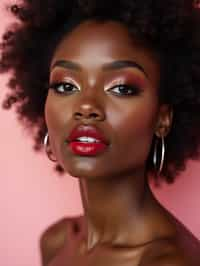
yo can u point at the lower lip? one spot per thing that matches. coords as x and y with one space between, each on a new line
81 148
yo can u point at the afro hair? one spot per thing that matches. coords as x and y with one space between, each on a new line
170 27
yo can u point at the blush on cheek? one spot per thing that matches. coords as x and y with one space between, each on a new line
138 138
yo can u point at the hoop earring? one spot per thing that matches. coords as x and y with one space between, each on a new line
47 150
159 170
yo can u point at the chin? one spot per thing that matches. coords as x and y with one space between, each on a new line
87 173
88 168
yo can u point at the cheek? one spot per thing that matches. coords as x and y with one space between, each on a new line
135 126
54 115
51 116
56 120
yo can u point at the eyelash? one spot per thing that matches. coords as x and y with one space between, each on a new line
134 89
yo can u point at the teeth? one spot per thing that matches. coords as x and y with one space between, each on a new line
87 139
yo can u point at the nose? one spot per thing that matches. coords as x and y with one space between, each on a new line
89 109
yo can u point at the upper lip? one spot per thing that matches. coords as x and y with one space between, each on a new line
87 131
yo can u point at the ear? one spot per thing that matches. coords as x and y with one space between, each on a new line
164 121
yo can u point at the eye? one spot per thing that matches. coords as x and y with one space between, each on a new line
125 90
62 87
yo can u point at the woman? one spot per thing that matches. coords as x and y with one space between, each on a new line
112 89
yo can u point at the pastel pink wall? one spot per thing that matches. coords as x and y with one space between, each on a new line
32 196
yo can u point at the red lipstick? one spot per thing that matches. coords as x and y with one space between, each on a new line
87 140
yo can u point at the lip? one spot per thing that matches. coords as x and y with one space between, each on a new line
88 131
87 149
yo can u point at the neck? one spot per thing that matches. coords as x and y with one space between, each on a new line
115 209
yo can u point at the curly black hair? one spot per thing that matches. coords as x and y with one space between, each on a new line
170 27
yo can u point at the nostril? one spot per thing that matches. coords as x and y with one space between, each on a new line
90 115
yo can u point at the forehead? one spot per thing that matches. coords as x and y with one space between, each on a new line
94 43
110 34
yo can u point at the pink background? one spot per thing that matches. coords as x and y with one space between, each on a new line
32 196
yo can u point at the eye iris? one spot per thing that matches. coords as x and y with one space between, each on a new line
125 89
68 87
62 87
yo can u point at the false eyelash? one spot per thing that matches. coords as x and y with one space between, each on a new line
55 85
135 90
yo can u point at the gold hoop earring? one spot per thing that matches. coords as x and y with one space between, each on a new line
159 170
47 149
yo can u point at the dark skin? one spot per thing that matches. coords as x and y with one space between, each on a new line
123 223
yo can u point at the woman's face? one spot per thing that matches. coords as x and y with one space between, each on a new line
128 116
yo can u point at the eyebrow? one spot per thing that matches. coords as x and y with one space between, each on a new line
116 65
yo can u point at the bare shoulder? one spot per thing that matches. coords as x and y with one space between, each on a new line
174 244
55 237
183 246
188 243
180 249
